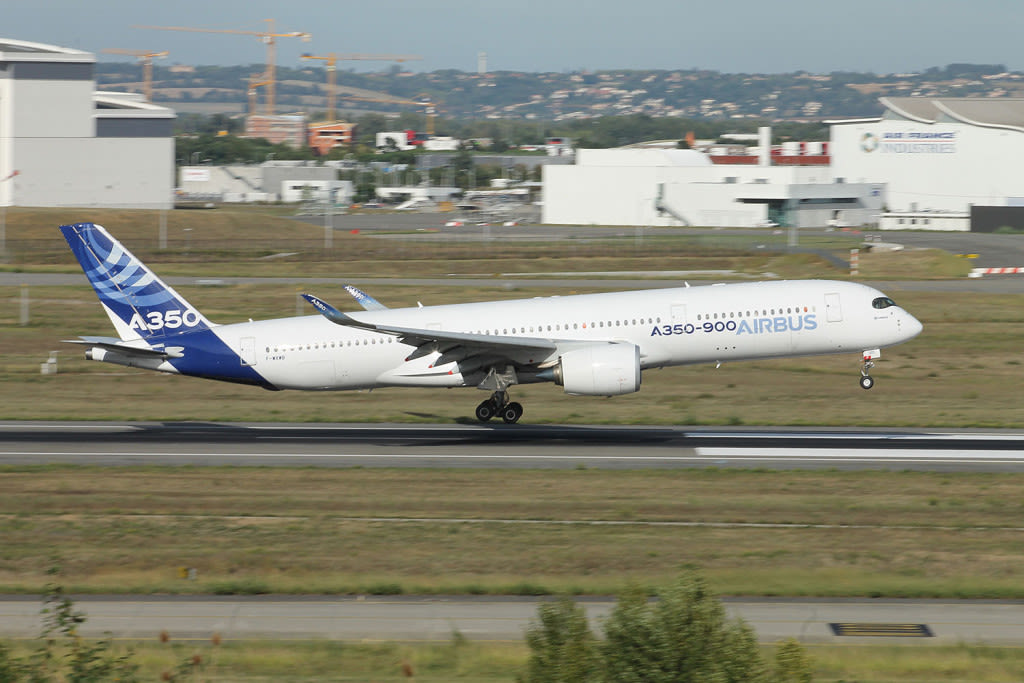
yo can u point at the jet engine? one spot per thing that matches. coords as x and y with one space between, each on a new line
600 370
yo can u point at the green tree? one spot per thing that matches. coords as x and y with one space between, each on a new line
562 648
681 637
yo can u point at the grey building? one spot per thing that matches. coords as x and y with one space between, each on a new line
63 143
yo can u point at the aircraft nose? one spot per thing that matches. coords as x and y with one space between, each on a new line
911 326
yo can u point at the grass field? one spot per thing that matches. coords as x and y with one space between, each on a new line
310 530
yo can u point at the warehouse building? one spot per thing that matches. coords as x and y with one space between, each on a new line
271 181
62 143
938 157
666 187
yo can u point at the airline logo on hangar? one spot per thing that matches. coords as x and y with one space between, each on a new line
869 142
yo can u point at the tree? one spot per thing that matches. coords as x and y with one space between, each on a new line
562 648
682 636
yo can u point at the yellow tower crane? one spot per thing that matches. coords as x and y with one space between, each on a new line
268 37
332 59
146 57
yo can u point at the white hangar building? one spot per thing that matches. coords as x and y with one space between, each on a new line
936 154
669 187
62 143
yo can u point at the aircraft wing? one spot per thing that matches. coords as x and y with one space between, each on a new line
118 346
430 341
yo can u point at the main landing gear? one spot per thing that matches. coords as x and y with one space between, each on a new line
866 380
498 404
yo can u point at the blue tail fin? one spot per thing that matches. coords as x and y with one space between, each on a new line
138 302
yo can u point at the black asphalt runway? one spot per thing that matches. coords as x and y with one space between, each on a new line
506 446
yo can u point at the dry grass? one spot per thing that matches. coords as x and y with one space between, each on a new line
381 531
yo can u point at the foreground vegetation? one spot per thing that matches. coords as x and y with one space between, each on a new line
467 661
558 647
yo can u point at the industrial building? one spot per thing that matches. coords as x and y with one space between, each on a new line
924 164
684 187
938 157
63 143
271 181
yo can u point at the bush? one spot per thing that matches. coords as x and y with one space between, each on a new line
682 636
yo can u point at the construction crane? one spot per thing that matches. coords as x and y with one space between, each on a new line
428 105
269 37
146 57
332 59
255 81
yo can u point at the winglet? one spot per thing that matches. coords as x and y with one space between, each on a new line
333 314
364 299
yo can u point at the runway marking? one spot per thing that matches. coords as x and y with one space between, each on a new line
882 630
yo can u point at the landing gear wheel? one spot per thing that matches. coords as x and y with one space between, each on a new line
866 382
486 410
512 412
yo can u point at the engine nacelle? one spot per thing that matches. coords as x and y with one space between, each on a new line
600 370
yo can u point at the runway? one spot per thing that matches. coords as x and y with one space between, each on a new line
505 446
369 619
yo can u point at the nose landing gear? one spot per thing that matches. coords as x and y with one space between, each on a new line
498 404
866 380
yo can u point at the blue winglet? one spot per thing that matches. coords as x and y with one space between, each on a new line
333 314
364 299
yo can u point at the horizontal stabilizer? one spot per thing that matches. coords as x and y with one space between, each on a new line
117 346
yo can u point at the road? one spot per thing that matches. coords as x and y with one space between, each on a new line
372 618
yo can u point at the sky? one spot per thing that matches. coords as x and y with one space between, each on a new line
731 36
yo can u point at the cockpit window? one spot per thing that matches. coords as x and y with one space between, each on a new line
883 302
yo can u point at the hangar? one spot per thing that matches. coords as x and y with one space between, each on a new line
63 143
936 154
664 187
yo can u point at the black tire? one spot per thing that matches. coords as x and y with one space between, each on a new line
866 382
485 411
511 413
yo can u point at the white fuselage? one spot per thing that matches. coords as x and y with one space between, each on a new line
705 324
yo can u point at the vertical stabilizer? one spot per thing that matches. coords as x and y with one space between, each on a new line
139 304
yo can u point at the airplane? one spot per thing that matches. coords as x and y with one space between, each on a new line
588 344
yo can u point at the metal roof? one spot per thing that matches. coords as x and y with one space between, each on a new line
1003 112
22 50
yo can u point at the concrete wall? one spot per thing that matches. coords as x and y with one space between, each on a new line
49 109
110 172
969 165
